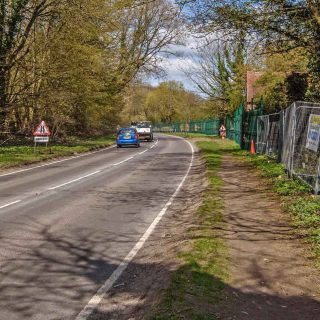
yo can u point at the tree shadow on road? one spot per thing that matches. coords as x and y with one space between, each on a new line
60 273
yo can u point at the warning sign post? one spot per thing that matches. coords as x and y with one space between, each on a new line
41 134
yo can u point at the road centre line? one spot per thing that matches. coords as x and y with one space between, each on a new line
123 161
10 204
71 181
55 162
58 161
91 174
101 293
75 180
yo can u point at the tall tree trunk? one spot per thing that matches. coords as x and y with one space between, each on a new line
3 98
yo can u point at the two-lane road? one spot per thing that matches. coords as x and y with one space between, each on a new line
65 227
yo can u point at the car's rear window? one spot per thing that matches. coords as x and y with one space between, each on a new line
124 131
144 125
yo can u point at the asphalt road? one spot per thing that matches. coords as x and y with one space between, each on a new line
65 227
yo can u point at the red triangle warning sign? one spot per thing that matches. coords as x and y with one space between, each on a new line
42 130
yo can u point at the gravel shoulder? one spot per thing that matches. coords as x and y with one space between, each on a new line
272 275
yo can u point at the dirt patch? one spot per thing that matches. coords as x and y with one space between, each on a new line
272 277
139 288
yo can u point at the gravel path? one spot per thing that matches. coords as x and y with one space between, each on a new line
271 275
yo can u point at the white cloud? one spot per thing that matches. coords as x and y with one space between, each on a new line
175 60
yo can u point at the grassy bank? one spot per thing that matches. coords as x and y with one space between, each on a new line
11 156
198 284
296 199
192 135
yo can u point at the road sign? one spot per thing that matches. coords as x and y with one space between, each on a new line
39 139
313 136
42 130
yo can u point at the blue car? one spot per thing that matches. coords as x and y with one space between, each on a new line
128 136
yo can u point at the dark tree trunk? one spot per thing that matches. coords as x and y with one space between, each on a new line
3 99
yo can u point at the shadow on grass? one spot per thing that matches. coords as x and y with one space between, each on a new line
185 301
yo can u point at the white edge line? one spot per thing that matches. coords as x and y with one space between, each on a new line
10 204
55 162
96 299
75 180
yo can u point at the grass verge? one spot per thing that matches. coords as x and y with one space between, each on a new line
192 135
197 286
296 199
12 156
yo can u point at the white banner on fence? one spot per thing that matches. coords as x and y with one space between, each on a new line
313 132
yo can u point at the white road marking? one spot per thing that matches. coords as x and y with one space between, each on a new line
55 162
58 161
96 299
125 160
10 204
75 180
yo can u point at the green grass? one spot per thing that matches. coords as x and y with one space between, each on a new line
198 284
11 156
296 199
192 135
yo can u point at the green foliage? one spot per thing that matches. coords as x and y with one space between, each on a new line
281 84
278 26
70 62
290 187
307 212
165 103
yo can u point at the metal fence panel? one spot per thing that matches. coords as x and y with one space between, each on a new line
262 133
268 134
285 136
208 127
304 161
288 133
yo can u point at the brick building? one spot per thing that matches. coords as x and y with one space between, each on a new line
252 77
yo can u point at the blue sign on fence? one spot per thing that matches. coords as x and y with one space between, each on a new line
313 132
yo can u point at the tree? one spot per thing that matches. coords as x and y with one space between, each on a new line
72 61
135 106
275 25
17 19
141 32
284 80
170 102
219 73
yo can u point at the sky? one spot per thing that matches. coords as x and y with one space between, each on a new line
174 64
